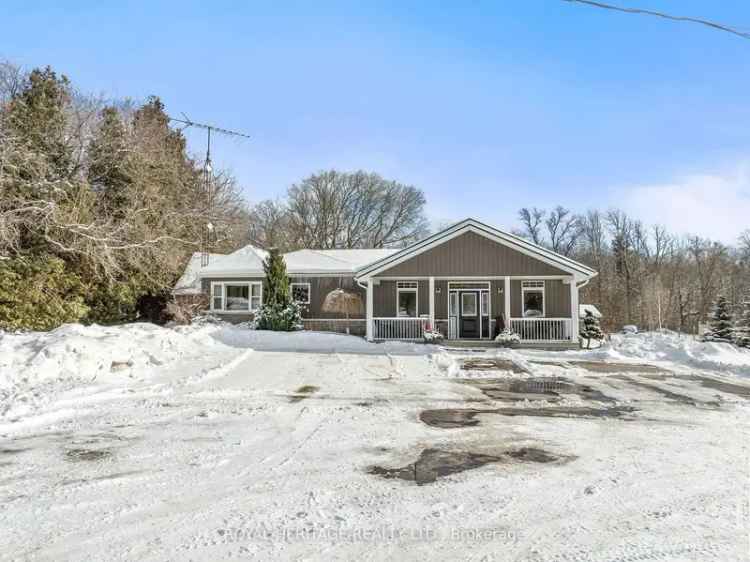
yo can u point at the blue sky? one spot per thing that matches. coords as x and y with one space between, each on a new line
486 106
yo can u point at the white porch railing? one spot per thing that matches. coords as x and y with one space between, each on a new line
399 328
542 329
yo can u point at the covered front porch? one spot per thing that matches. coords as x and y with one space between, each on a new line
541 310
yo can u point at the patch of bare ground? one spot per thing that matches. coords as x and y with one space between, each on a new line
303 392
435 463
550 389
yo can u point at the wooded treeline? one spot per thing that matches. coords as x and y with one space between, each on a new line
100 205
645 272
341 210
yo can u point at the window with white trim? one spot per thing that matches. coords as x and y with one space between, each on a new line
300 292
532 299
236 296
407 293
485 303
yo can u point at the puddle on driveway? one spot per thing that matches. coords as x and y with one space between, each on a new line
491 364
435 463
663 391
536 388
715 384
18 451
609 367
453 418
303 392
89 455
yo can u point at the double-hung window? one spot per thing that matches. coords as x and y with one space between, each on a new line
406 299
532 299
236 296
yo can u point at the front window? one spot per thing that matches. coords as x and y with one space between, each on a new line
406 299
301 292
236 297
532 293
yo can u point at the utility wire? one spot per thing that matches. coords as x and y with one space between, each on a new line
700 21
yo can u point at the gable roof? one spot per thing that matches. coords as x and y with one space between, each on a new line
189 282
248 260
472 225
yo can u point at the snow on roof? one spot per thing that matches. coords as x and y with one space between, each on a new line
583 308
248 260
189 283
322 261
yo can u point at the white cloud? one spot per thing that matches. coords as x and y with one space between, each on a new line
716 206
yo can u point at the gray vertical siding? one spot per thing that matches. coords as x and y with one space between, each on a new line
556 293
471 254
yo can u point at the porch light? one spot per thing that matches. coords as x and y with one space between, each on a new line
500 290
437 290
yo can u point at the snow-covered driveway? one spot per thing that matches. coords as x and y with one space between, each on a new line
200 449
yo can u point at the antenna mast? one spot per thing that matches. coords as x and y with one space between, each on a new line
208 237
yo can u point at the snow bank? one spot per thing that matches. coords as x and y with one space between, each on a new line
73 351
678 349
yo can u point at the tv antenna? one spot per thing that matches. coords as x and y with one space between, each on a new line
208 236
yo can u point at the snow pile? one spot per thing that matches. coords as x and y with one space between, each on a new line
679 349
74 351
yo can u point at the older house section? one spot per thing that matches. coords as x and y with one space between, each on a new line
470 282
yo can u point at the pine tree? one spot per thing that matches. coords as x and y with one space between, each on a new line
278 312
37 116
591 330
109 171
276 286
742 328
721 322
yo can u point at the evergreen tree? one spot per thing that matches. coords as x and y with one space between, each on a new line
109 170
742 328
276 285
37 116
591 330
721 322
279 312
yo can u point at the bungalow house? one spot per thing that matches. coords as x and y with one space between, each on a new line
468 281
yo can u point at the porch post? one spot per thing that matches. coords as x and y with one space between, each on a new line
432 303
506 294
573 310
369 314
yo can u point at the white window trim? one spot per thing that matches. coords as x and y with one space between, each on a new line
409 289
224 285
476 304
541 289
309 291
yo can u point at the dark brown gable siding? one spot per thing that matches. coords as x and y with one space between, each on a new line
471 254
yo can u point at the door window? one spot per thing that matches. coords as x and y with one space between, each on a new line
468 304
